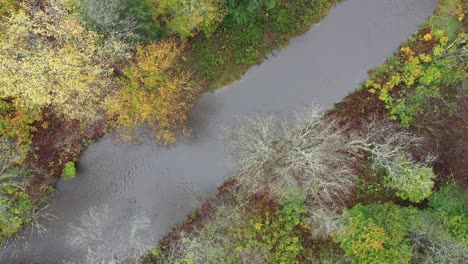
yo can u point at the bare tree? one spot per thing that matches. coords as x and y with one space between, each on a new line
385 142
432 245
460 49
311 154
323 221
391 149
109 18
93 234
210 244
89 235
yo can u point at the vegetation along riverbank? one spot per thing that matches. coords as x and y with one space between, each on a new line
73 70
380 178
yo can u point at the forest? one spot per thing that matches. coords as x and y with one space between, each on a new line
379 178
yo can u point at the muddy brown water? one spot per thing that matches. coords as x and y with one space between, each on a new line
163 185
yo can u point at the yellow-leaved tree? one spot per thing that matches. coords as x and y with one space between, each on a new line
155 92
49 60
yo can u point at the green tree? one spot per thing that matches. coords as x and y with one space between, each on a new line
413 181
375 233
449 207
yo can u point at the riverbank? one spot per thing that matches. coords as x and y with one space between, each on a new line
421 89
52 141
141 180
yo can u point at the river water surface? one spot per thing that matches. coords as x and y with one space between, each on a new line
163 185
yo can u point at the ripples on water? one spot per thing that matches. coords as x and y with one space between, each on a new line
155 188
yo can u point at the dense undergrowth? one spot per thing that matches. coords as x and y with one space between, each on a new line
73 69
363 183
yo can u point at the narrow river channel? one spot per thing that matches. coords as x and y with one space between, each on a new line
144 181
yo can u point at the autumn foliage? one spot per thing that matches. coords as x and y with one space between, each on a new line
50 60
155 93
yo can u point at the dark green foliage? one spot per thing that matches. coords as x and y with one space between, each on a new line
143 14
439 233
207 57
289 18
277 233
246 43
450 207
371 186
245 11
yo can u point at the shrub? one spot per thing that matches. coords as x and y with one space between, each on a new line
371 186
245 11
16 126
16 206
287 18
239 235
280 232
449 17
246 42
375 233
188 17
69 171
15 209
206 57
409 81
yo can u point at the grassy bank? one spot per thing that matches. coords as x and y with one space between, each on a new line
224 56
380 178
76 69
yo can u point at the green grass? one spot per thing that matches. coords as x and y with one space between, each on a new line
447 17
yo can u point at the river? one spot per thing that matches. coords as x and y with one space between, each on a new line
162 185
